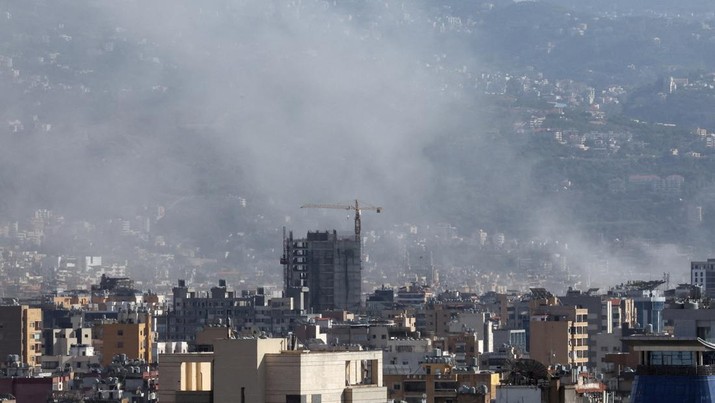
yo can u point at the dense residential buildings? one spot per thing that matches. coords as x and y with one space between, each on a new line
198 344
587 169
440 379
190 310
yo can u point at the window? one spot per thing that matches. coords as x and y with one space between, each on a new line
446 386
703 332
120 344
415 386
671 357
120 332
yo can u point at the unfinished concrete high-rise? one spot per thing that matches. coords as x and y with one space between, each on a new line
323 271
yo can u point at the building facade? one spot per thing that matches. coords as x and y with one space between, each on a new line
270 370
191 311
559 335
21 333
323 271
672 369
649 312
702 274
131 335
439 380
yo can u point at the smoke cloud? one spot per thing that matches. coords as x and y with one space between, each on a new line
312 101
127 104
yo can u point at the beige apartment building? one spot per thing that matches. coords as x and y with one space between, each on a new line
21 333
268 370
559 335
131 334
186 378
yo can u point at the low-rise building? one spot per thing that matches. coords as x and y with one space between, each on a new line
272 371
440 380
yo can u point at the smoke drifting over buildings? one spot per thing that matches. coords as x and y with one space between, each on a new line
300 101
114 106
314 104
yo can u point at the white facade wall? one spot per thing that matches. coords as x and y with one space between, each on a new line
325 376
518 394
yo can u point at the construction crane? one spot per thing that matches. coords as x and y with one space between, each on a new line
357 207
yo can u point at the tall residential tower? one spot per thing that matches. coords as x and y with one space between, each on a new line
323 271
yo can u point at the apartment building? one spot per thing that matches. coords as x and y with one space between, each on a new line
271 370
559 335
21 333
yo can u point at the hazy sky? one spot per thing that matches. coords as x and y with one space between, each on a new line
290 102
314 102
